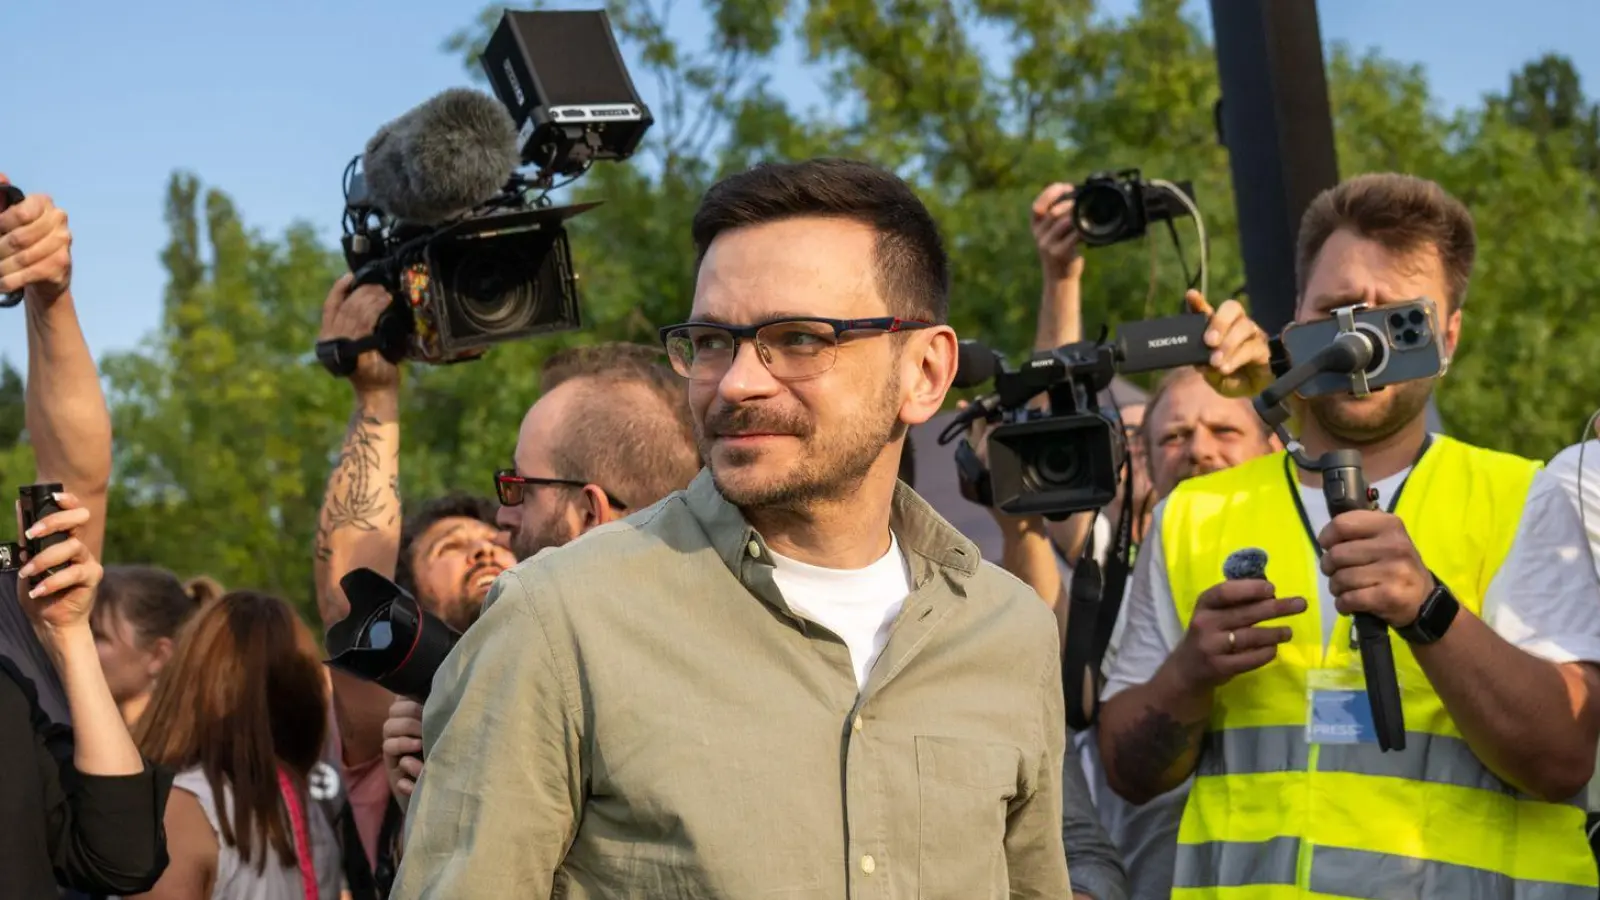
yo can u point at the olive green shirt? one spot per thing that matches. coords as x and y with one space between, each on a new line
639 714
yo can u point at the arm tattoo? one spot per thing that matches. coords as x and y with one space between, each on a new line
1154 744
354 496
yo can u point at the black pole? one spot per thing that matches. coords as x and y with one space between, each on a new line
1274 120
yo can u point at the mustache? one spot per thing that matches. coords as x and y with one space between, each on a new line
746 419
477 570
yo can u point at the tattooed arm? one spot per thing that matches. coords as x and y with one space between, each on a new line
359 524
1150 736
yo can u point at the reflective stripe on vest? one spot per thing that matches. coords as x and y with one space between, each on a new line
1270 815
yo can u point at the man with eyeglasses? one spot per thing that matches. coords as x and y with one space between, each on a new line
793 677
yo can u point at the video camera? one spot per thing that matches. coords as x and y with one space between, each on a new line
1112 208
388 637
438 213
1069 458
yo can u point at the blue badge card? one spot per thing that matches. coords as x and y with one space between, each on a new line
1338 711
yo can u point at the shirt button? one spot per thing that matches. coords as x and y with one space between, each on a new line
868 864
856 724
754 550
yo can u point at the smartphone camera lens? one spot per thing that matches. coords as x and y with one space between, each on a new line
1410 336
1397 320
1417 318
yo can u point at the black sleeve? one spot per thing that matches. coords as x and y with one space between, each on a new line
103 833
1092 859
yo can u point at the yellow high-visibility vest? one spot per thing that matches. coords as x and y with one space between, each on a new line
1272 816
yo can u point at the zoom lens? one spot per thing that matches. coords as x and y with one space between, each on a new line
494 288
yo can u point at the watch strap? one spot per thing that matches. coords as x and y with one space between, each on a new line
1438 610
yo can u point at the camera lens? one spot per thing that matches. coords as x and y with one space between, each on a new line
1057 466
1397 320
1410 336
496 289
1417 318
1100 212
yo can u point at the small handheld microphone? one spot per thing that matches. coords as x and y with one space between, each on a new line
1244 565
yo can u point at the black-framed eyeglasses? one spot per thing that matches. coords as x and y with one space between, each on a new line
511 488
790 348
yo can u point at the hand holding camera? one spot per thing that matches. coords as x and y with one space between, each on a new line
402 748
353 314
35 246
62 598
1055 234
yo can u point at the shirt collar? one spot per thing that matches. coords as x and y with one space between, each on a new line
922 532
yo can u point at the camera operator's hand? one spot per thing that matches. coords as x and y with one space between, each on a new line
402 748
352 315
1223 639
1241 361
61 601
1054 235
35 249
1373 567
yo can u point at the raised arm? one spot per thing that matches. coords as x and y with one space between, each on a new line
68 423
359 523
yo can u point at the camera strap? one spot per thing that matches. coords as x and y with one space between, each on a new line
365 881
340 355
1096 602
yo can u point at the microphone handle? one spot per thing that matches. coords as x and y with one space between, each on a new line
1345 488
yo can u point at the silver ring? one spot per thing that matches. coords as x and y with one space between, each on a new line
1231 642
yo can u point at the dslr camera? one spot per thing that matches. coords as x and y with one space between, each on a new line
388 638
1112 208
1068 458
439 214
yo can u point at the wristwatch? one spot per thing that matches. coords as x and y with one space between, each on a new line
1433 617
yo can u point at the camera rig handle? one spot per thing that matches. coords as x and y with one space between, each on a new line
1345 488
12 195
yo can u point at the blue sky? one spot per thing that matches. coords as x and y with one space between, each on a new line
269 102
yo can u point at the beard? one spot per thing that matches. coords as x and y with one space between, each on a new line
1366 420
825 468
526 543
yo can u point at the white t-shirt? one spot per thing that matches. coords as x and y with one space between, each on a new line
858 605
1545 599
1584 489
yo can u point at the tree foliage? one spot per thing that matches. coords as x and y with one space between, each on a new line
226 429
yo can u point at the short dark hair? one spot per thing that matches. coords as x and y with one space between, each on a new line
1403 213
455 505
913 272
638 452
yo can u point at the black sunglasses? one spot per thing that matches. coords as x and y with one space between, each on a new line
511 487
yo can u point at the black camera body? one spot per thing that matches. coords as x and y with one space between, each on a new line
1069 458
501 273
37 502
1112 208
471 249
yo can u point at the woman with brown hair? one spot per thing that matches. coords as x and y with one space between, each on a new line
138 612
240 714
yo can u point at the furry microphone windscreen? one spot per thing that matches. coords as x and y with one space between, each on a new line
1249 563
445 157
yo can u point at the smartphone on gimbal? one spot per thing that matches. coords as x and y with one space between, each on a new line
1407 345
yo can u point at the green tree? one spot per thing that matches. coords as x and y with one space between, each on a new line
223 430
16 458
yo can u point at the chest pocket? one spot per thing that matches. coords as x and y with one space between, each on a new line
964 788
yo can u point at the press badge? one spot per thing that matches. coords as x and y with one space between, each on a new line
1338 711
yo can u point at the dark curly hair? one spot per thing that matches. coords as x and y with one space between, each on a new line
451 506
